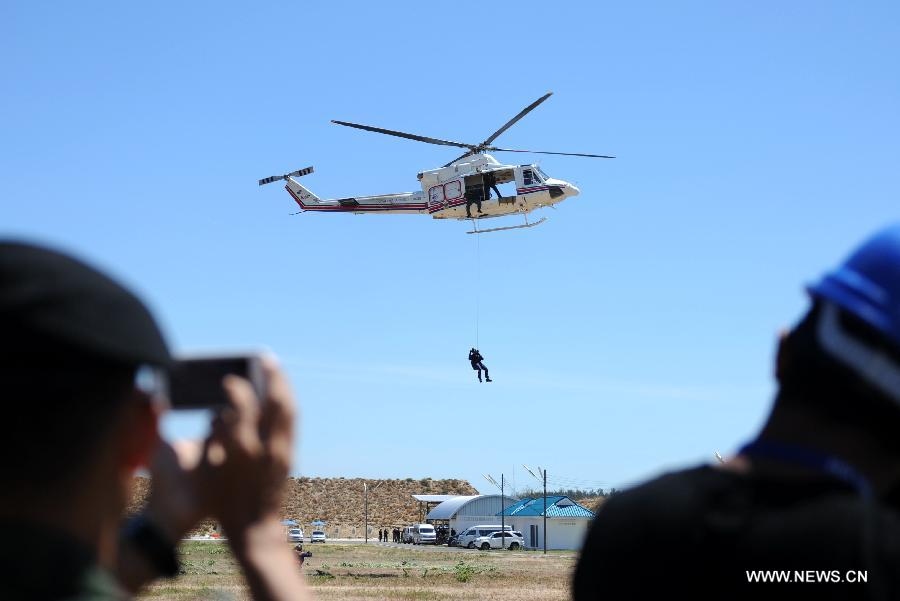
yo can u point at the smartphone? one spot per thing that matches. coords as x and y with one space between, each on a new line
196 382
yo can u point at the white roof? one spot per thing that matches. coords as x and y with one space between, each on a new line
448 508
433 498
480 505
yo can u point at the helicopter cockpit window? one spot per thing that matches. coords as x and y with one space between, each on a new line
540 171
528 177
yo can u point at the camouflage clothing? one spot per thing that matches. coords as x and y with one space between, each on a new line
40 564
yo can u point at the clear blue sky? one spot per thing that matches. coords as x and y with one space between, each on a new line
632 332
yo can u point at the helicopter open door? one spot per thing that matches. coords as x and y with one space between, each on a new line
474 188
505 179
478 186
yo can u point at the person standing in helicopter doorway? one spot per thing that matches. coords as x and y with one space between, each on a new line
490 182
477 362
474 196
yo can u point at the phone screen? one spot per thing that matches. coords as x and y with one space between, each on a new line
197 383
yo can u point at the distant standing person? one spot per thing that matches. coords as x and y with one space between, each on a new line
477 362
301 554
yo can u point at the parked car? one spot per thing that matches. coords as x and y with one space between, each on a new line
317 537
407 535
467 537
423 534
295 535
513 541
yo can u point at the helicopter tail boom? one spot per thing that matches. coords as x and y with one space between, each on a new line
404 202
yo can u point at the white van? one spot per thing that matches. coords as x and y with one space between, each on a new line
468 536
424 534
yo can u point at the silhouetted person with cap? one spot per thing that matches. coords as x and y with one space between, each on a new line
809 507
477 362
83 366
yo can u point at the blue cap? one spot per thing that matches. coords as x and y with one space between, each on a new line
867 285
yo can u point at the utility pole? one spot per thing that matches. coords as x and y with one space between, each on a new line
490 479
502 518
545 510
366 489
543 477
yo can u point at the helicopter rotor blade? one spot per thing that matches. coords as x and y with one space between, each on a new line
569 154
512 121
401 134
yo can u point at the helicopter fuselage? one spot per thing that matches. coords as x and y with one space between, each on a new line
450 190
465 188
447 192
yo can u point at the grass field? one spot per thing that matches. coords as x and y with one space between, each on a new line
366 572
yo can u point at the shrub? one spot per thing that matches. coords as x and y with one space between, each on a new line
464 572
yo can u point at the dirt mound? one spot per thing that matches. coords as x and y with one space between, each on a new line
340 502
592 503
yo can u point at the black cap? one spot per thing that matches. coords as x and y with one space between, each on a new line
50 302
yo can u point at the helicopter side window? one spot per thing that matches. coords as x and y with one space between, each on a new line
453 189
528 177
436 194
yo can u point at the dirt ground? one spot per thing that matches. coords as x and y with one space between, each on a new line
364 572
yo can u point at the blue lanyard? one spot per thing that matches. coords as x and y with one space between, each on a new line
824 464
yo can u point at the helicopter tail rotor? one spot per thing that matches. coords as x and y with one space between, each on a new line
276 178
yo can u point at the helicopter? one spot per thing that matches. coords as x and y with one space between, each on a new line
452 191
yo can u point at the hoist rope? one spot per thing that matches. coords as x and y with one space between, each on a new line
477 282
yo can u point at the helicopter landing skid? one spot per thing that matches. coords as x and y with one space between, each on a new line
511 227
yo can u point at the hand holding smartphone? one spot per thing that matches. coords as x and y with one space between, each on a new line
196 382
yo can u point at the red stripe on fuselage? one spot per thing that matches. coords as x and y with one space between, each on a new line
359 207
453 204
